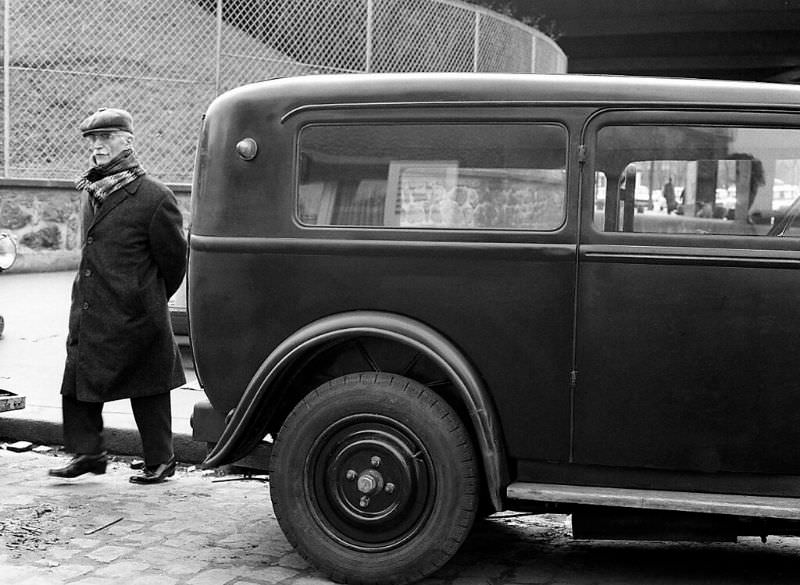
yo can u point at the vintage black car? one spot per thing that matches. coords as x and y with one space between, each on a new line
435 296
8 255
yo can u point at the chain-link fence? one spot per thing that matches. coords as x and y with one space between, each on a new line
165 60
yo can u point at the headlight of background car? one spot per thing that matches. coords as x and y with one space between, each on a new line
8 251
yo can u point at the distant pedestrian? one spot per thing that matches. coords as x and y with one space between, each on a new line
120 342
669 195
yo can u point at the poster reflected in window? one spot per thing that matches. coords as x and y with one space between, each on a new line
443 195
417 191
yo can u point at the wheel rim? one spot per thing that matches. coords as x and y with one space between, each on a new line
370 482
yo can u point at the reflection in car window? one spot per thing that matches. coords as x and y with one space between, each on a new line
442 176
697 179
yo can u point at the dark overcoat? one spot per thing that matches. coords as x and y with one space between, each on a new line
120 342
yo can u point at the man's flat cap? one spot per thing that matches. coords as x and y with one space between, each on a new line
107 120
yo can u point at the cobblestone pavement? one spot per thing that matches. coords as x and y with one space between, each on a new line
209 529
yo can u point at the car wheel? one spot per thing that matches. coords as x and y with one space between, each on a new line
374 479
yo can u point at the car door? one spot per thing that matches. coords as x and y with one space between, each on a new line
688 313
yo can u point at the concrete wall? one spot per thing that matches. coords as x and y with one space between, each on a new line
43 216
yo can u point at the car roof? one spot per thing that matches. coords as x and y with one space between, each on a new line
409 88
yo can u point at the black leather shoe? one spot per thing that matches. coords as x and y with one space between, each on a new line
81 464
155 474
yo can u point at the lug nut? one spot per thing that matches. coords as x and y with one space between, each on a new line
364 502
375 461
389 489
351 475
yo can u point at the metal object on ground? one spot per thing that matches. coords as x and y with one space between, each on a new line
11 401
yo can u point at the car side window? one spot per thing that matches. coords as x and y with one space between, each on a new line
698 180
433 176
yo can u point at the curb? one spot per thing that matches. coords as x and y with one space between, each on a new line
118 441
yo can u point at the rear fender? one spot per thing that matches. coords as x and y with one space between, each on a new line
247 423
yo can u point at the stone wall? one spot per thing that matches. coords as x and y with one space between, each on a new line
44 218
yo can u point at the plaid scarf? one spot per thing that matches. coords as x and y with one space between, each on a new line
102 180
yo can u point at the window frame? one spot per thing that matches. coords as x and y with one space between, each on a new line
569 120
778 118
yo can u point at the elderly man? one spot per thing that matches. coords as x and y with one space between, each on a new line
120 342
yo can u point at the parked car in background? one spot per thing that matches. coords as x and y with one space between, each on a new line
178 315
443 295
8 255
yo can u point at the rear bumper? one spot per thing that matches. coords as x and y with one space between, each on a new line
207 424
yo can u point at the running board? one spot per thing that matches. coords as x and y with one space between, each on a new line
734 505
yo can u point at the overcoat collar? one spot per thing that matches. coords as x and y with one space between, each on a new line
115 199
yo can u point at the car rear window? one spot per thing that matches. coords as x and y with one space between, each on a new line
433 176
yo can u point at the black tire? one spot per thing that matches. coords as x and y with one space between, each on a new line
374 480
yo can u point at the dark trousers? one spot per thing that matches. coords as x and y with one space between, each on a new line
83 426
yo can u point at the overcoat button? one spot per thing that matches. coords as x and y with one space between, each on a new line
87 272
85 305
90 240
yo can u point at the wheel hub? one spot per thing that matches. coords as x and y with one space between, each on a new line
375 483
370 482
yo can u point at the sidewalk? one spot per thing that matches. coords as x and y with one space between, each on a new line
35 307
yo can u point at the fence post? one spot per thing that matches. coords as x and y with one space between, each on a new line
6 87
219 47
476 43
370 25
533 53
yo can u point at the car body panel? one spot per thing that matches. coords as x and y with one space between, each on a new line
611 358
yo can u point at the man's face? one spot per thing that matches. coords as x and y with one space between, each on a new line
107 145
